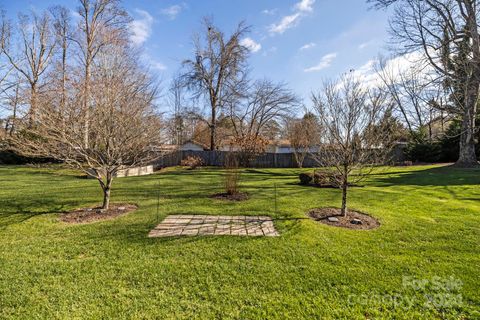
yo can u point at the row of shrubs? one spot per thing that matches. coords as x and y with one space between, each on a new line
10 157
320 179
441 149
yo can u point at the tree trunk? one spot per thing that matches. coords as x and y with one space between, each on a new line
86 105
300 164
33 105
467 157
106 198
213 121
212 138
344 191
344 199
299 158
64 84
106 187
14 107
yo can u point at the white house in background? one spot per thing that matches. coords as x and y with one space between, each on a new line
228 148
279 146
284 146
192 146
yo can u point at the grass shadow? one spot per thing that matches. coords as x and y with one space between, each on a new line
438 176
8 219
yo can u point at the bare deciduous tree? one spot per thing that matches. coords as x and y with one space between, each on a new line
5 67
13 100
264 103
30 51
304 135
63 31
176 100
101 23
218 71
347 112
232 174
407 89
447 33
124 129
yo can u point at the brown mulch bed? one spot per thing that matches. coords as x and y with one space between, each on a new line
86 215
322 214
239 196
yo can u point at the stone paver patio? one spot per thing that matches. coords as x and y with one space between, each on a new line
203 225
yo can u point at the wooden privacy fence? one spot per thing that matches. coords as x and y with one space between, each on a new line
217 159
266 160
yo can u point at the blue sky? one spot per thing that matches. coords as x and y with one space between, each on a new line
300 42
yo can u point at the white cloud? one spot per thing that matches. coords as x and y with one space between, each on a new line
270 12
394 67
152 63
305 5
75 15
365 44
308 46
286 23
158 65
270 51
172 11
141 29
300 9
367 74
325 62
251 44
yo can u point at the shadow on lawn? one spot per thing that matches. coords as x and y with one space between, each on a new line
20 213
276 173
440 176
205 193
200 172
8 219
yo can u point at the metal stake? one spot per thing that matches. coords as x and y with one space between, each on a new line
158 201
275 193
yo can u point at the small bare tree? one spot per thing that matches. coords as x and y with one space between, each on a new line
232 174
124 129
304 136
177 123
347 112
218 71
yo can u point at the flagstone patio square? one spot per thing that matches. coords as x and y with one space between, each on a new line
204 225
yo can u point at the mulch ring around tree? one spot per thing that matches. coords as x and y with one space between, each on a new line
239 196
87 215
354 219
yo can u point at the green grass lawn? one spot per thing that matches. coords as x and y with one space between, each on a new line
430 232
